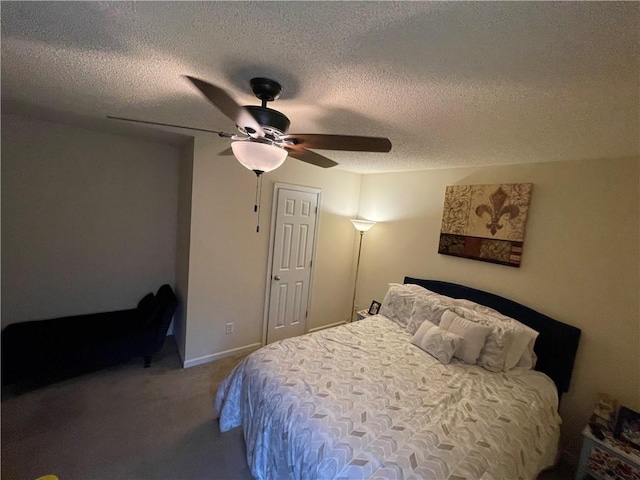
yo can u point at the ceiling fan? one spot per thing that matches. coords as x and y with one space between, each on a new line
263 143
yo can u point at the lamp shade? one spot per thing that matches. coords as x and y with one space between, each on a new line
363 225
259 157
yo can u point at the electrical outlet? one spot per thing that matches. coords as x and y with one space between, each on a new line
229 328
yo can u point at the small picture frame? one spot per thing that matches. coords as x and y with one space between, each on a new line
374 308
627 427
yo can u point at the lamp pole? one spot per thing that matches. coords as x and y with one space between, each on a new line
362 226
355 284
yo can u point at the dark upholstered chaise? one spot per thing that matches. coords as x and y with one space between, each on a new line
46 350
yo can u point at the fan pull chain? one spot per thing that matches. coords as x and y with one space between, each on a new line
256 207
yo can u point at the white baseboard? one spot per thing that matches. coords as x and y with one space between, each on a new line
326 326
217 356
245 349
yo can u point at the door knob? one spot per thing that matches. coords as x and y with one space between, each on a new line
276 277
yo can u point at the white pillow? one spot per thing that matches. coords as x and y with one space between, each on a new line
524 335
428 293
413 287
425 307
521 349
529 358
476 307
474 335
528 331
398 303
503 349
493 354
509 344
437 342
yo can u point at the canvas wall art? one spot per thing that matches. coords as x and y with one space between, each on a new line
485 222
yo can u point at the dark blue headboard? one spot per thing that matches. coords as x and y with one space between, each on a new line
556 345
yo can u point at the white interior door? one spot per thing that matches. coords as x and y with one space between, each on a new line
292 252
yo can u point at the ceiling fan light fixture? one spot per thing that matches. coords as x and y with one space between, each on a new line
258 156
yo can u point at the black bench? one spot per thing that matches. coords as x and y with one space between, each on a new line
45 350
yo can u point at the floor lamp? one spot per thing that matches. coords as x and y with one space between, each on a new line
362 226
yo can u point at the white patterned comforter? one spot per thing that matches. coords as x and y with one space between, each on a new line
360 401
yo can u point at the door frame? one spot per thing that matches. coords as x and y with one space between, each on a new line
277 186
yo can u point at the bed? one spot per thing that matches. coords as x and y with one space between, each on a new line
362 401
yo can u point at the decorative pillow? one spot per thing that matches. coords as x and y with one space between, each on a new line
509 345
476 307
398 304
492 356
147 309
413 287
436 341
474 334
521 348
522 345
425 307
509 341
529 358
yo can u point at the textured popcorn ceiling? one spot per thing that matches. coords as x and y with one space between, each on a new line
451 84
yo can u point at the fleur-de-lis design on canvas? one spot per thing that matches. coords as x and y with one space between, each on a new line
497 210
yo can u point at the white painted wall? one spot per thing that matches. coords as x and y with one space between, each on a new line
228 259
580 263
88 219
183 244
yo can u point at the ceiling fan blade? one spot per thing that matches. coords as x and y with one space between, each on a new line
339 142
228 106
310 157
222 134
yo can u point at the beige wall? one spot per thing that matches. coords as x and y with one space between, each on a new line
580 263
88 219
183 244
228 259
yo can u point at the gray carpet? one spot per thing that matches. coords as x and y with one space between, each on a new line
129 422
125 422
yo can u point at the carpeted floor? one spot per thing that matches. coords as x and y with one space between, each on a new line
125 422
130 423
